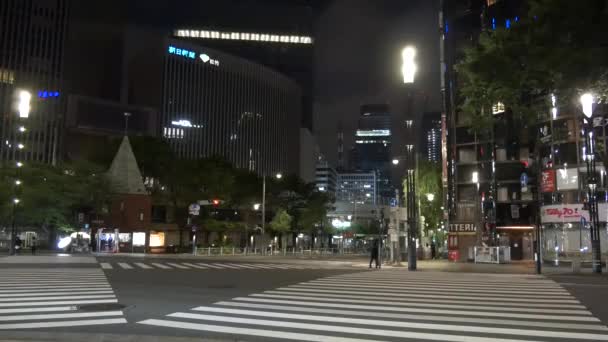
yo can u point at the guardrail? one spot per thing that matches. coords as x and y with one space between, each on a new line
271 251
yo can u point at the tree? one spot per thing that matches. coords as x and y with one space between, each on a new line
428 182
558 47
281 222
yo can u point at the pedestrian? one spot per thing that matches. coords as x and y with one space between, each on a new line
374 256
33 245
17 245
433 250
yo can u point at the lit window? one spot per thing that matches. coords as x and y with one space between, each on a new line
294 39
245 36
498 108
491 2
274 38
284 39
225 35
215 34
255 36
194 33
235 36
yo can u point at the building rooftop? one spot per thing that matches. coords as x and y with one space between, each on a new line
124 174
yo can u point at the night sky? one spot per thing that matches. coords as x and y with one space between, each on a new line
358 51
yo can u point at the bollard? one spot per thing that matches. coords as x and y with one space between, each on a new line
232 251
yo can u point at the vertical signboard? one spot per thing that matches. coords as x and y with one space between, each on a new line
444 151
547 181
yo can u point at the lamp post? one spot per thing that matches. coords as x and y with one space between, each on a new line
23 112
408 70
589 156
277 176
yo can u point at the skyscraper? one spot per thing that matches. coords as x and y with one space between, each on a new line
431 126
32 37
372 152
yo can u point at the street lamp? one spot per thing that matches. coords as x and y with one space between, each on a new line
278 175
256 206
430 197
408 68
395 161
589 156
23 105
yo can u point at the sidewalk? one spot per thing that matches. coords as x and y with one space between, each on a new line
512 268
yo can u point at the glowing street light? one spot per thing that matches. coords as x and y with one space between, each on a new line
256 206
16 200
17 182
23 106
279 175
430 197
21 146
22 129
587 103
395 161
19 164
408 68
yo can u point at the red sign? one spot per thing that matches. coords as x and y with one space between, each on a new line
453 255
547 181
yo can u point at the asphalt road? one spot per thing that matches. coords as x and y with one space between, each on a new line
226 300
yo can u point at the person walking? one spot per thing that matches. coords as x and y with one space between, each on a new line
33 245
17 245
374 255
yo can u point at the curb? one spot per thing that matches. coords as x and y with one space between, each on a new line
79 337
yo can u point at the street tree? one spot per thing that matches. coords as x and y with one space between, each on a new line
429 193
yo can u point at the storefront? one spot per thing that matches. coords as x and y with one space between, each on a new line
565 232
462 238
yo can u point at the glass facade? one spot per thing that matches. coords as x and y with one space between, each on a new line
32 38
218 104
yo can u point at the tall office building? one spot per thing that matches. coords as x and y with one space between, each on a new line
372 151
357 187
326 177
32 38
218 104
283 40
431 126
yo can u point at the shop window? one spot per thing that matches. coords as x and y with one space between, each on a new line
157 239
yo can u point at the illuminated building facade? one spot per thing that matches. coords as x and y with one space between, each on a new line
214 103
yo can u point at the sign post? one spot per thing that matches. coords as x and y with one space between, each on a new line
193 210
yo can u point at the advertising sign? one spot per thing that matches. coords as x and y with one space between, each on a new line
567 179
561 213
547 181
462 228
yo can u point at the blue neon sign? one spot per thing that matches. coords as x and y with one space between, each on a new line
182 52
43 94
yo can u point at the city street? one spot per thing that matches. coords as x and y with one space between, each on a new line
169 297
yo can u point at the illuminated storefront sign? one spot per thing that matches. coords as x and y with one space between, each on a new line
563 213
206 59
182 52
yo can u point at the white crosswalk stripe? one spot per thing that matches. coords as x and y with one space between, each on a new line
397 305
51 298
122 266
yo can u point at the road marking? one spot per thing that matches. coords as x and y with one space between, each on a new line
54 288
195 266
165 267
18 294
426 289
142 265
45 309
227 266
16 326
367 313
178 266
211 266
416 295
429 305
341 329
56 316
395 324
260 266
6 305
31 299
105 265
283 335
425 300
125 266
412 281
423 310
242 266
50 283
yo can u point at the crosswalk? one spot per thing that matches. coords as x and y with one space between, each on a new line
55 297
400 306
211 266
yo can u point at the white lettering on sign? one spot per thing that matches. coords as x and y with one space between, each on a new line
462 228
563 213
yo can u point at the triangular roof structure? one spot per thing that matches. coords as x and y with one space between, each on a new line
124 174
